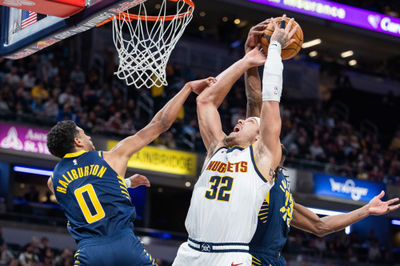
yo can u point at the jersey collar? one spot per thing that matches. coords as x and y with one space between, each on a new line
74 154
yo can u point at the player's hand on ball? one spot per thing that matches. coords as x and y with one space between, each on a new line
283 35
139 180
378 207
198 86
255 57
253 38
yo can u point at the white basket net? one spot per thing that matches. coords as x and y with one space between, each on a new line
144 43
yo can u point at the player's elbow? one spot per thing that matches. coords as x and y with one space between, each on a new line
321 229
202 100
161 125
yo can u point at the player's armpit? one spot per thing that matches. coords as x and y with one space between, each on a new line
268 150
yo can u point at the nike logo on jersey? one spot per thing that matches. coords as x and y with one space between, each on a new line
232 264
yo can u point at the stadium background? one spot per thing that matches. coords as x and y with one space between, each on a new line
340 124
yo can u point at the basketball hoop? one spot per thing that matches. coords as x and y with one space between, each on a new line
144 43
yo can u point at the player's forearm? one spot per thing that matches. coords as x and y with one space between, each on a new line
308 221
253 92
271 94
337 223
216 93
167 115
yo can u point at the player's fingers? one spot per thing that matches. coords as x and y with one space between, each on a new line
259 26
293 31
395 207
289 25
261 32
289 43
389 202
381 194
274 24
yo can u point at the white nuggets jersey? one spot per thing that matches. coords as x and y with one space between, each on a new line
226 200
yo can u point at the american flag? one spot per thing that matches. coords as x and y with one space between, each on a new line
28 18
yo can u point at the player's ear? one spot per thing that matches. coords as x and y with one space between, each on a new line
78 142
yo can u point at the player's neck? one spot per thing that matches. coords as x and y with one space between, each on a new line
230 142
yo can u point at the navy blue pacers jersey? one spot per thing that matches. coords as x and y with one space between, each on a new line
94 196
273 225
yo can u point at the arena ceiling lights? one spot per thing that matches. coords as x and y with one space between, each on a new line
311 43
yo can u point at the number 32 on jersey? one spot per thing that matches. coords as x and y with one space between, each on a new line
220 188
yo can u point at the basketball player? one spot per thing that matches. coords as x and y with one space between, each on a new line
279 210
239 168
89 185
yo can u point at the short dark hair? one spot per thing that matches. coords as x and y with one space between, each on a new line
60 139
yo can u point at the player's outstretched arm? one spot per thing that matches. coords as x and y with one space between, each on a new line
268 148
308 221
252 77
118 157
212 97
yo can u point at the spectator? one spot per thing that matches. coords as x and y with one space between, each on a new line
29 80
78 76
50 109
3 105
395 145
317 152
374 253
43 248
28 257
66 258
331 167
39 92
12 78
320 246
6 257
66 97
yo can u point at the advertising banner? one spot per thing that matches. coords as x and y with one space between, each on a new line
162 160
346 188
21 138
340 13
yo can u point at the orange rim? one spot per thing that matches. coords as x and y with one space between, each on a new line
131 17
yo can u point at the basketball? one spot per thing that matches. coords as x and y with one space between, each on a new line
289 51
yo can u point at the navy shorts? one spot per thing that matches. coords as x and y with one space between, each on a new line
122 249
265 259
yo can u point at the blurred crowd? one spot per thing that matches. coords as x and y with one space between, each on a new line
47 87
339 249
38 253
314 133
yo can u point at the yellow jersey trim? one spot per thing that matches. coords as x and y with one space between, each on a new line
74 154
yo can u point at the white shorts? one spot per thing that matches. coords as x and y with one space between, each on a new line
188 256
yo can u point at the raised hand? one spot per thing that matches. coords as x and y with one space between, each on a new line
377 207
255 57
139 180
283 35
199 85
253 38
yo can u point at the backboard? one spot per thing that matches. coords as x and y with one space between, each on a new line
18 41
